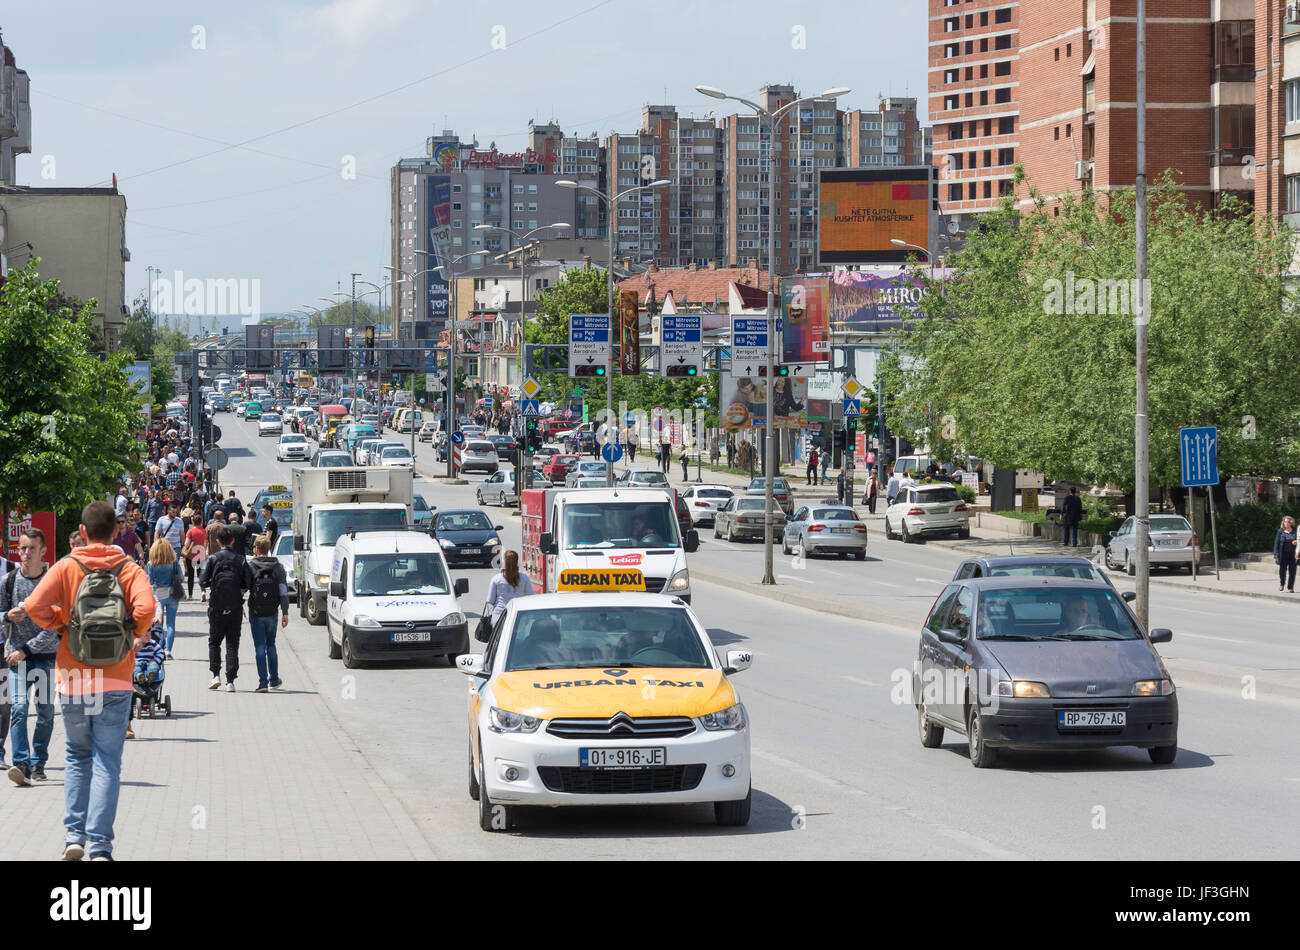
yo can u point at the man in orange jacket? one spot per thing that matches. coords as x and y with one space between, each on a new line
95 700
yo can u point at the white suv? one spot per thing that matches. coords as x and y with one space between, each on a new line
927 509
478 455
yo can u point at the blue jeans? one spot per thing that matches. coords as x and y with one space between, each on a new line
263 630
1072 530
170 605
32 683
96 728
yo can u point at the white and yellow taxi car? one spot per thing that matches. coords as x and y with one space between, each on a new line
604 698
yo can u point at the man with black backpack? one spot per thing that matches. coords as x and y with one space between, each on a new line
101 603
269 590
224 577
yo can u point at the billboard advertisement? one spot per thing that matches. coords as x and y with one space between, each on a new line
629 334
805 317
862 210
744 402
875 301
438 203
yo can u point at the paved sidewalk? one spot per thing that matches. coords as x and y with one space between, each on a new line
239 776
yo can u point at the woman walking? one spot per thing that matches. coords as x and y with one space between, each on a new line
194 550
1284 554
873 492
507 585
165 579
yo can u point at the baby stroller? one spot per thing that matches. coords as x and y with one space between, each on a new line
150 676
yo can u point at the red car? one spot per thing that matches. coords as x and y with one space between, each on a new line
558 467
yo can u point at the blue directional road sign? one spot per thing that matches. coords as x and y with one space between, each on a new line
488 402
529 407
852 407
612 452
681 345
1200 455
629 419
458 438
430 359
588 343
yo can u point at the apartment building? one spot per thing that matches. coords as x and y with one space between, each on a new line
15 114
890 135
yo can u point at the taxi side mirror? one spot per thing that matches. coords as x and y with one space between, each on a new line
461 586
547 543
297 543
469 663
692 541
738 660
336 589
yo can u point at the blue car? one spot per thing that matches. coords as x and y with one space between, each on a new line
423 513
467 536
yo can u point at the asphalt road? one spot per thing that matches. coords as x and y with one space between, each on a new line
838 769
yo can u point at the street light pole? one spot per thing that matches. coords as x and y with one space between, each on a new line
1141 430
769 514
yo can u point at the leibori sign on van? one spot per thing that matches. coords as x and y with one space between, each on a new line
601 580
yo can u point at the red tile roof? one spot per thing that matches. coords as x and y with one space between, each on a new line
695 286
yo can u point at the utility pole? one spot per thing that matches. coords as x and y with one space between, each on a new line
356 369
1141 427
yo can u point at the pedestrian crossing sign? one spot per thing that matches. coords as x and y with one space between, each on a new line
852 407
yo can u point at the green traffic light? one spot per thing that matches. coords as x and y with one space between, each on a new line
783 371
600 371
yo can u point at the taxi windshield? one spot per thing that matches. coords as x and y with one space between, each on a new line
600 637
620 525
380 575
1039 614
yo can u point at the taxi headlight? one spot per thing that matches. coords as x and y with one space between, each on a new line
503 721
452 619
1024 689
322 580
361 620
446 544
733 717
680 581
1162 687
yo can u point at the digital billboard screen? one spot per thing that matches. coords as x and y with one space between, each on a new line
861 211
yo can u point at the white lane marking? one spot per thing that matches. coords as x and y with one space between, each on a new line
931 580
801 580
860 682
1206 636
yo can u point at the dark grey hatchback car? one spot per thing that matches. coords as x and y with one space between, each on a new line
1042 664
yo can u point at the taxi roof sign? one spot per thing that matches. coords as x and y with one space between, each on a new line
600 580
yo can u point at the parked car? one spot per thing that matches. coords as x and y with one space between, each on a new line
826 529
479 455
467 536
1171 543
703 501
927 509
742 517
1066 665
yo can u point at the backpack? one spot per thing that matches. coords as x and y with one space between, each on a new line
264 598
98 630
227 587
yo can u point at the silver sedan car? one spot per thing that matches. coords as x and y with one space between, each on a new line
1172 543
826 529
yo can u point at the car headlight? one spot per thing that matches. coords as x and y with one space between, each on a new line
322 580
493 541
446 544
452 619
1023 689
680 581
733 717
503 721
1162 687
361 620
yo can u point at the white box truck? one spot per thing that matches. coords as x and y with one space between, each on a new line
329 501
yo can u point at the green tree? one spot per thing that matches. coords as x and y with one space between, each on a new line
1025 355
340 315
67 418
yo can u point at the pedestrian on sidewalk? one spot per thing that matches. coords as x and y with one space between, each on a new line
826 464
165 581
841 485
269 589
811 474
632 442
507 585
665 456
1071 515
1284 556
225 577
873 492
171 528
95 698
686 472
193 552
731 451
891 489
29 657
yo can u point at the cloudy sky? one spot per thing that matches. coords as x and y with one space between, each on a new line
229 124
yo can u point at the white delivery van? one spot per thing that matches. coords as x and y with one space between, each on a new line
327 502
606 528
391 597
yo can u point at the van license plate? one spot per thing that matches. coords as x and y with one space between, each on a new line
622 758
1091 719
412 636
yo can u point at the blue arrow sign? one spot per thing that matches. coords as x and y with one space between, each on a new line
430 359
612 452
852 407
458 438
529 407
1199 450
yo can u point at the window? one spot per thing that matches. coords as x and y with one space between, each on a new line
1002 42
970 191
1003 68
970 99
1006 156
954 192
984 98
1234 51
518 189
1007 126
954 131
1293 192
455 189
1006 186
1293 100
955 161
455 206
1056 54
984 19
988 189
984 45
951 75
1002 16
951 50
1002 95
1233 133
532 189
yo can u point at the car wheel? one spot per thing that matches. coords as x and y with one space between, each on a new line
785 548
963 534
907 535
1163 754
1130 566
478 496
931 732
982 756
861 555
731 534
315 616
733 814
335 650
473 776
889 532
1106 559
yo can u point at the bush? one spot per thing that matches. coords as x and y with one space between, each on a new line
1252 526
967 494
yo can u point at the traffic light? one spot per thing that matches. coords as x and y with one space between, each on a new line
531 435
850 425
588 370
370 345
783 371
683 370
302 354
